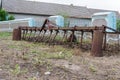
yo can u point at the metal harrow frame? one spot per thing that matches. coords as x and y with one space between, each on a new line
65 35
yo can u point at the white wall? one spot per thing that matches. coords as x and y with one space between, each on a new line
40 19
79 22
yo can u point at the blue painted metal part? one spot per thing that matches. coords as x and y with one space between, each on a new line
109 17
58 20
31 22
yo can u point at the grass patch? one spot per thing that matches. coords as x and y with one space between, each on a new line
12 46
17 70
92 68
53 53
5 34
59 55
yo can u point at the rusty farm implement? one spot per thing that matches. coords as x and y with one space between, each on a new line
71 36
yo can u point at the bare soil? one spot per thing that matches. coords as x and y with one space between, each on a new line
22 60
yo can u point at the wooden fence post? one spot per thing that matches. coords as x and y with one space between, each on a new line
17 34
97 43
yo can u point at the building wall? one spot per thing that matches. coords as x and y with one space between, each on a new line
40 19
79 22
10 25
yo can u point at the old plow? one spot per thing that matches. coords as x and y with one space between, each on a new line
69 36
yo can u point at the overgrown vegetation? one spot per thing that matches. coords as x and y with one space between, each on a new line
118 24
11 17
66 19
5 16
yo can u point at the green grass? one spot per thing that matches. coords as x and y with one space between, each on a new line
92 68
17 70
5 34
38 52
58 52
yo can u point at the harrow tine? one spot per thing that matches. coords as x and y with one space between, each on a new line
64 35
29 37
26 33
23 34
38 36
34 35
92 35
42 36
81 41
51 31
52 39
118 42
57 31
48 39
72 36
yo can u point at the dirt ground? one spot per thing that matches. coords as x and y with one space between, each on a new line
22 60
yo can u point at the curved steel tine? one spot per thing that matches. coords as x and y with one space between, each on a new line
72 35
35 35
49 37
64 36
23 34
53 37
42 36
81 41
29 37
57 31
118 42
35 30
26 33
38 36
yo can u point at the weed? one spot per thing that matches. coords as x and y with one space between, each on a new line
58 38
12 46
92 68
34 51
33 78
49 66
17 70
58 55
25 57
38 61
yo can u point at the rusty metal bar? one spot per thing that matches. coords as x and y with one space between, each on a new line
81 41
85 29
17 34
104 29
97 43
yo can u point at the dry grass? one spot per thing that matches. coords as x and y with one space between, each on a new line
21 60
